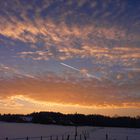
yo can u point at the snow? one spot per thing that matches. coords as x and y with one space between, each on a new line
22 130
115 133
26 119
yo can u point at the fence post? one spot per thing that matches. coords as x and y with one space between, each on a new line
68 137
106 136
75 137
126 137
56 137
27 138
6 138
41 138
85 137
50 137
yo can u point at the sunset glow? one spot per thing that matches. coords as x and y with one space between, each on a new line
70 56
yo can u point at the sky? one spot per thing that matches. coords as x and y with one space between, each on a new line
70 56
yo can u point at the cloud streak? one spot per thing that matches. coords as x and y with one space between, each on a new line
81 71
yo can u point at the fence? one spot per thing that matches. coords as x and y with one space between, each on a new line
81 136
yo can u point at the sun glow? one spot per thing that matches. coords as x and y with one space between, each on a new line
24 104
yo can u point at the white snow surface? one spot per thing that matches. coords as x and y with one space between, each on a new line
22 130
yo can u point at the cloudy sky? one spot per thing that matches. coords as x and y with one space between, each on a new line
70 56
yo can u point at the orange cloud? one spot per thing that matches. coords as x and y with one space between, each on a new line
66 39
64 91
64 53
62 40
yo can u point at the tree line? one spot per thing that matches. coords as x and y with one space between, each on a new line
73 119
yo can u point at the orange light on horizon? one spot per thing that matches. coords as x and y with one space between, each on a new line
20 104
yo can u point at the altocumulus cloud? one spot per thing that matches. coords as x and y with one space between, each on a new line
104 33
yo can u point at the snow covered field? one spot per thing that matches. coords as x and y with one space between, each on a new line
17 130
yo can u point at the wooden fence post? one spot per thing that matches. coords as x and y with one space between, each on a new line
68 137
41 138
56 137
50 137
27 138
126 137
75 137
6 138
85 137
106 136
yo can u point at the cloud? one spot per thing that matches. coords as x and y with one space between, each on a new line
70 31
37 55
86 51
29 31
69 39
71 91
6 71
